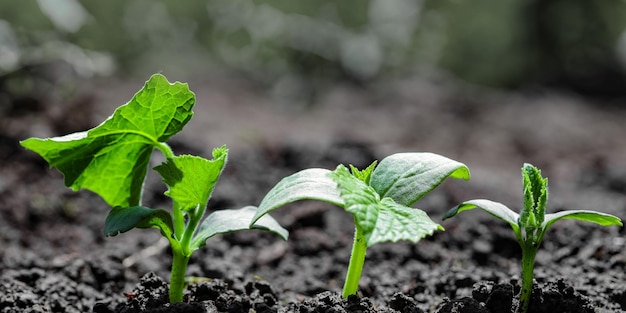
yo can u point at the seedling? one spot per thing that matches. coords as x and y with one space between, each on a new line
112 161
532 223
379 197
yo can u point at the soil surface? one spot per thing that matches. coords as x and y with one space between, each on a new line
54 257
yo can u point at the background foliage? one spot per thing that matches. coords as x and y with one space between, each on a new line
293 45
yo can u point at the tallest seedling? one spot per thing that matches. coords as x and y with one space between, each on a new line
532 222
112 160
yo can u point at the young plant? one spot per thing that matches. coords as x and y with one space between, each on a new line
379 197
112 161
531 224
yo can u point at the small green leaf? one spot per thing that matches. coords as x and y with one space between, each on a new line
535 197
121 220
112 158
496 209
364 175
583 215
227 221
191 179
309 184
380 220
407 177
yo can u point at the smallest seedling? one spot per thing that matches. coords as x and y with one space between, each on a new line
531 224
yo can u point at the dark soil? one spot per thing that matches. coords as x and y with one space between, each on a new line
56 259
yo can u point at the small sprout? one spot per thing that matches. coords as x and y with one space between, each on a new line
112 161
379 197
532 223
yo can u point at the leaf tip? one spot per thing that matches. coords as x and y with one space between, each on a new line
24 143
30 143
451 213
111 233
221 152
464 173
282 233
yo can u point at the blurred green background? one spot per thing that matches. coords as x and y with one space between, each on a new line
576 45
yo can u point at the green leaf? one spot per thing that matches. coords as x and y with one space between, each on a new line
397 222
364 175
191 179
112 158
583 215
308 184
380 220
227 221
121 220
359 199
496 209
407 177
535 197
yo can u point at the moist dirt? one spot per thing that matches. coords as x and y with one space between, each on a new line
54 257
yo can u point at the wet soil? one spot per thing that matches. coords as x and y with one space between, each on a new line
54 257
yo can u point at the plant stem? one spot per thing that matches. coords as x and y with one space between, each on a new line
190 230
165 149
528 264
357 258
177 279
179 220
181 257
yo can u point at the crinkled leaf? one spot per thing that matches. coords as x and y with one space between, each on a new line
112 158
359 199
380 220
397 222
582 215
496 209
191 179
535 197
226 221
308 184
363 175
121 220
407 177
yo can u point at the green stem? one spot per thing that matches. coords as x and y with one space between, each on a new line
528 264
357 258
165 149
181 259
179 220
177 279
190 229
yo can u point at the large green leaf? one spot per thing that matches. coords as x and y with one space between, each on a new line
121 220
407 177
309 184
380 220
112 158
191 179
227 221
